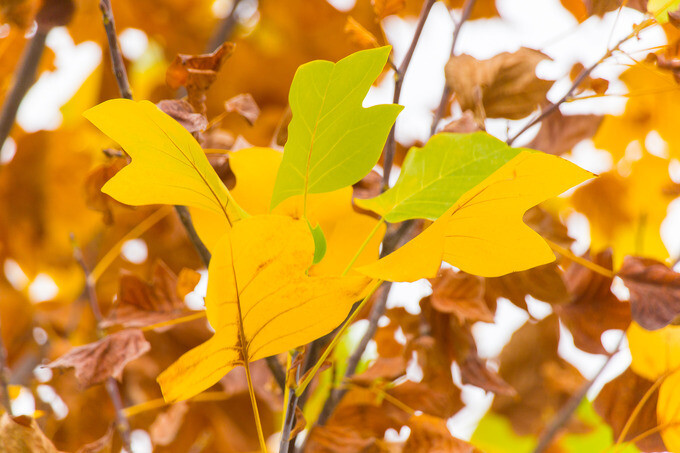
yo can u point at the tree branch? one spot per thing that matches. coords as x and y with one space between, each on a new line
23 80
391 145
111 385
201 249
114 50
446 92
225 29
565 413
4 378
580 78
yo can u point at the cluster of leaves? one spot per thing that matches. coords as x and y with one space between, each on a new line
278 164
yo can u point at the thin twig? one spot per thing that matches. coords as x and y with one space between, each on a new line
565 413
23 80
288 444
111 385
446 92
4 378
391 145
581 77
114 50
224 29
185 218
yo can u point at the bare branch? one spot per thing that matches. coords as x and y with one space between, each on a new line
4 378
446 92
114 50
391 145
225 29
111 385
200 247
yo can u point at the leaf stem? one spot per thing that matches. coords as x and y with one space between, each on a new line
256 413
580 260
446 92
363 245
391 145
580 78
350 319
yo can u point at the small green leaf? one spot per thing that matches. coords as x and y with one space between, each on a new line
319 242
435 176
333 141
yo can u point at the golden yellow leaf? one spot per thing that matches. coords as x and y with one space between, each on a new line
168 165
345 229
625 213
654 352
483 232
668 411
261 302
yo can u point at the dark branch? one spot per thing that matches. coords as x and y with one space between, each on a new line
111 385
446 93
391 145
114 50
23 80
225 29
200 247
4 378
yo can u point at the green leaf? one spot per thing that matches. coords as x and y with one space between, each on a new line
333 141
435 176
319 242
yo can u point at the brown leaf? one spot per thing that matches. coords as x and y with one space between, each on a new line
382 369
430 434
244 105
95 198
583 9
336 439
101 445
96 362
22 435
384 8
617 400
184 114
369 187
141 304
196 73
530 364
460 294
654 291
55 13
300 423
593 308
464 125
543 283
560 133
165 427
504 86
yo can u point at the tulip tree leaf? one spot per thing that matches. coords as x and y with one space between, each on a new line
333 141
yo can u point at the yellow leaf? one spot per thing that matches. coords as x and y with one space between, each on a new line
625 213
654 352
345 229
261 302
483 232
668 411
168 165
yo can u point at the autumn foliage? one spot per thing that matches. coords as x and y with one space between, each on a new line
224 246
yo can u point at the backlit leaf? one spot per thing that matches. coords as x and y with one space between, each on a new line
260 302
483 232
433 177
168 165
332 141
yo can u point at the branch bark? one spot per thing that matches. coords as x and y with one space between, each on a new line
114 50
391 145
111 385
446 92
23 80
224 29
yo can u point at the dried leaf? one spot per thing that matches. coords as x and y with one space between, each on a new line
359 35
336 439
384 8
96 362
184 114
560 133
244 105
616 402
196 73
22 435
466 124
165 427
504 86
101 445
460 294
593 308
430 434
654 291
